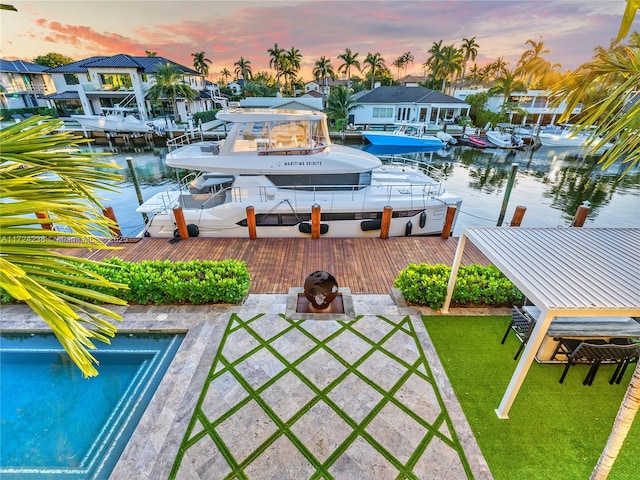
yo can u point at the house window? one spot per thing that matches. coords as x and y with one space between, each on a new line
382 112
71 79
116 81
143 77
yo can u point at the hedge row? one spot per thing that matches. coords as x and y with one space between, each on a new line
165 282
476 285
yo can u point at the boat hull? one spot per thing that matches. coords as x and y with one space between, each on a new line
502 140
104 123
426 221
391 139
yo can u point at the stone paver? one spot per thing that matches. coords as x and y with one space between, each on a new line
253 394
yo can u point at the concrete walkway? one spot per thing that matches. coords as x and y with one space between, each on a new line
253 394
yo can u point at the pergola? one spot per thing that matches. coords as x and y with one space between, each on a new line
585 272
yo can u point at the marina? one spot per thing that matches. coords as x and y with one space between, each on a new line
550 182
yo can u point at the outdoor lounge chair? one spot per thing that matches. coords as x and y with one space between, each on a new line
522 324
595 354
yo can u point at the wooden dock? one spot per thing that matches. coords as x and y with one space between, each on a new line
364 265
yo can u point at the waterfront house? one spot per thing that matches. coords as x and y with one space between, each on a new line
382 107
24 84
92 85
536 103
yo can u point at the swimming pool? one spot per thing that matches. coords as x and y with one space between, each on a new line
56 424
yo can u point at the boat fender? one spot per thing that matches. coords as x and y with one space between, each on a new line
305 227
423 219
192 229
368 225
408 228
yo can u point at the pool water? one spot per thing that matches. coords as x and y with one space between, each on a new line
56 424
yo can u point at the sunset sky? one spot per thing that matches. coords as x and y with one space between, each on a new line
226 30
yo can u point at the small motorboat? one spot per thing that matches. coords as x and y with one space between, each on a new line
503 136
473 142
405 134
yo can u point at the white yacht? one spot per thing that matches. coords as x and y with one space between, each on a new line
566 136
115 120
282 163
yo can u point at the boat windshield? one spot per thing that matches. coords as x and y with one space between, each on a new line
280 135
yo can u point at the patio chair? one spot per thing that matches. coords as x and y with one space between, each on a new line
522 324
595 354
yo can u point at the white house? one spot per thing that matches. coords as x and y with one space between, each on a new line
92 85
384 106
536 104
24 84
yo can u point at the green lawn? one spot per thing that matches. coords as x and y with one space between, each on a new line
554 430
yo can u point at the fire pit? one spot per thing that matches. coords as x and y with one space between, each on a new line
320 299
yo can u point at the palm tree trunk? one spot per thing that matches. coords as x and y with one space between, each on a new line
622 425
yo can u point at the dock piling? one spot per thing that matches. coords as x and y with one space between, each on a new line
507 193
386 221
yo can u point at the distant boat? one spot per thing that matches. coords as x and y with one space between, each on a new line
473 142
405 134
116 120
503 136
566 136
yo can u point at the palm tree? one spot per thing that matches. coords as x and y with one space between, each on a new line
475 73
497 68
323 70
375 63
531 64
469 49
434 62
349 60
170 86
275 61
398 63
225 74
506 85
200 63
340 103
149 53
31 267
451 63
402 62
617 118
243 69
294 59
407 59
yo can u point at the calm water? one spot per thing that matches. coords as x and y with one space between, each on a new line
551 183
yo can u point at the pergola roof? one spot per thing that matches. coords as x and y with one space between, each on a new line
586 272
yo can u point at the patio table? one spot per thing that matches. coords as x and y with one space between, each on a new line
582 328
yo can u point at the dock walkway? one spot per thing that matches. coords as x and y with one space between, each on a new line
364 265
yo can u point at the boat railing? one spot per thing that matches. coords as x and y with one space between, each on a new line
182 140
334 194
432 171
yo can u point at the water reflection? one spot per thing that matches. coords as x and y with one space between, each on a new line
566 178
550 183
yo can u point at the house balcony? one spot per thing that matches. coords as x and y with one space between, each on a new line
35 87
92 88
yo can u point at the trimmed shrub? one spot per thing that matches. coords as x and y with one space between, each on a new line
164 282
476 285
203 117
